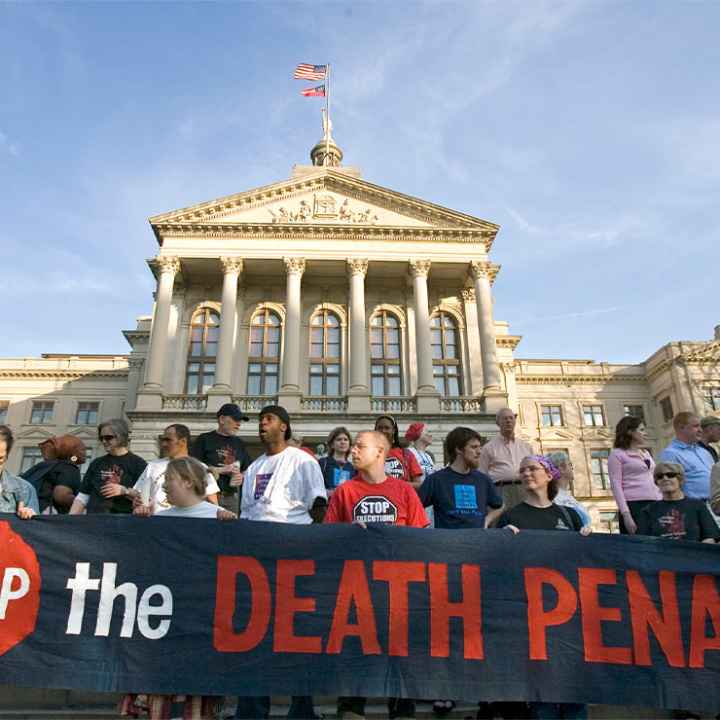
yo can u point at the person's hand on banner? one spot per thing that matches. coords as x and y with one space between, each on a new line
360 523
513 529
143 511
586 530
226 514
23 512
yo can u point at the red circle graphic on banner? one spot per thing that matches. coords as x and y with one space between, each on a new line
19 588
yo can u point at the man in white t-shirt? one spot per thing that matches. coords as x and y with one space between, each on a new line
285 485
148 490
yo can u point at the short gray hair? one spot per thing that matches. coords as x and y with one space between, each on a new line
502 410
119 427
558 458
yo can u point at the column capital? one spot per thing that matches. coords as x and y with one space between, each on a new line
135 363
420 268
357 266
484 269
294 266
468 294
231 265
168 264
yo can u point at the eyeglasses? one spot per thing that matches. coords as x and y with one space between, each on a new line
660 476
107 438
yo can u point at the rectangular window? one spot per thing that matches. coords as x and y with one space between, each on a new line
609 522
667 409
88 459
593 415
42 412
30 456
712 398
551 415
4 405
87 413
636 411
599 469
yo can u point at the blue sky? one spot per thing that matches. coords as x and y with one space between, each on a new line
590 131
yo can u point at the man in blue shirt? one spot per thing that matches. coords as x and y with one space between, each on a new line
460 494
685 449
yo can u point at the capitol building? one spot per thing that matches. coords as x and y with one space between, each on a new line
342 300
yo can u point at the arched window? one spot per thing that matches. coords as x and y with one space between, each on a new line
386 368
202 353
264 355
447 369
325 353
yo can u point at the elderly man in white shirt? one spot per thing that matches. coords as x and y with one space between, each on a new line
501 457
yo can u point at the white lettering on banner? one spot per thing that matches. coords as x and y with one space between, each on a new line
109 592
6 591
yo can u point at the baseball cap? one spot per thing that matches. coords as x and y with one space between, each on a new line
709 421
233 411
279 412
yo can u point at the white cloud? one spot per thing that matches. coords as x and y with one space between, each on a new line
7 146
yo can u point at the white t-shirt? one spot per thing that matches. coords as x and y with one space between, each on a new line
203 509
424 460
282 487
150 484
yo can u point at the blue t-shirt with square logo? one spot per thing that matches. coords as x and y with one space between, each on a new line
460 500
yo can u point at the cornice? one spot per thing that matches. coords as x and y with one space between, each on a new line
258 231
576 379
63 374
511 341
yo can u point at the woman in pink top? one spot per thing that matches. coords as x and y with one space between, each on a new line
630 467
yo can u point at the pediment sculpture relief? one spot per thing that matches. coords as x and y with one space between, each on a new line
324 207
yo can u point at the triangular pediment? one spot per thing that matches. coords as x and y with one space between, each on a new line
323 197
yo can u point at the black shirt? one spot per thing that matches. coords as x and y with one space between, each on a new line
122 469
335 473
686 519
216 450
49 474
459 500
528 517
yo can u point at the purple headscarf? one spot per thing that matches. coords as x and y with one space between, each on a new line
551 468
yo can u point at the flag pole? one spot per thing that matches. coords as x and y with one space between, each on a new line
327 116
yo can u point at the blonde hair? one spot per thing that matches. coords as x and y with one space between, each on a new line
662 467
191 471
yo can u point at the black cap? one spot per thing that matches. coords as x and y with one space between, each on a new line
279 412
233 411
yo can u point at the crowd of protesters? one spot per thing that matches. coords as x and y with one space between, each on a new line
502 483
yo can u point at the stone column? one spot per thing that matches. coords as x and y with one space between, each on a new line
155 366
428 398
290 389
358 391
135 366
474 365
232 267
482 271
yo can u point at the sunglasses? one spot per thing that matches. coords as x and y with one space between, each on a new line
666 475
107 438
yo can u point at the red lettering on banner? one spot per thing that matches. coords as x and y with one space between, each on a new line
705 601
287 604
469 609
354 590
398 575
645 616
540 619
19 588
593 615
225 639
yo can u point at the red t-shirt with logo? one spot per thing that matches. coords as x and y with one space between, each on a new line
402 464
393 501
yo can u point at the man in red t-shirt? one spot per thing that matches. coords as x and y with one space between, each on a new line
372 497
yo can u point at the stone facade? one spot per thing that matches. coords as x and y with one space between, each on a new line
342 300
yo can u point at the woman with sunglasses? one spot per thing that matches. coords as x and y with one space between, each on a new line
108 481
676 517
630 467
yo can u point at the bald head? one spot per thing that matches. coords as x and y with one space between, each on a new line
369 451
505 420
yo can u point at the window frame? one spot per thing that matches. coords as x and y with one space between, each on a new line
443 363
205 360
603 474
264 360
385 362
592 407
79 410
551 406
27 450
4 410
711 398
640 417
45 419
325 361
666 409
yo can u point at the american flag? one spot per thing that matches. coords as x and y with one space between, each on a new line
310 72
318 91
